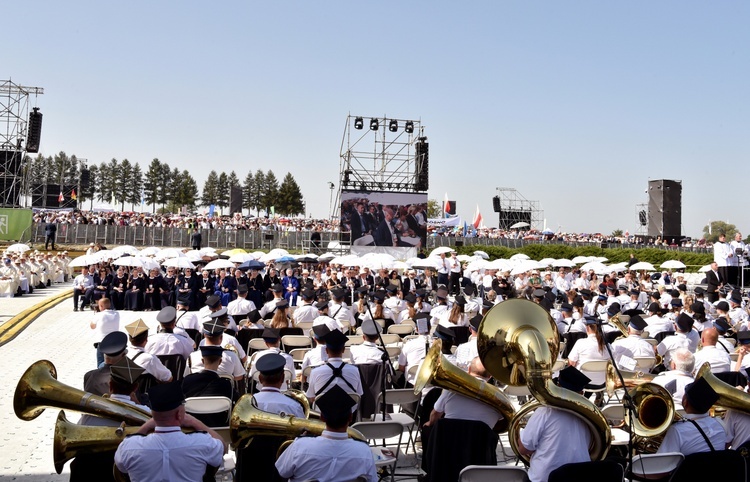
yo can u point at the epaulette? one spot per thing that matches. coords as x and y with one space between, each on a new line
135 435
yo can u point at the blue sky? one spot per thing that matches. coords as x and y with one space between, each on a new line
576 104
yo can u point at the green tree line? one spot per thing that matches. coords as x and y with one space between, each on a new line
125 184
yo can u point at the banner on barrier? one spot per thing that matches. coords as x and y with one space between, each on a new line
13 223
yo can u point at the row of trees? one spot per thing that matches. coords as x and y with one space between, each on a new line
123 183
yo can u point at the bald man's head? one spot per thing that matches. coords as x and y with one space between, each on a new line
477 369
709 337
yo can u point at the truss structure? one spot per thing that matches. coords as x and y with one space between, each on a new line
514 208
381 159
14 113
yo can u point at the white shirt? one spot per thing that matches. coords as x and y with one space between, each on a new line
684 437
466 352
83 282
657 324
288 366
271 400
315 357
230 364
168 454
721 253
188 320
671 343
149 362
716 356
412 353
332 457
320 376
106 322
633 346
737 425
557 438
436 313
366 353
169 344
457 406
305 314
341 313
227 339
675 382
587 349
240 306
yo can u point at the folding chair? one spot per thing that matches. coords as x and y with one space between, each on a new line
211 409
393 352
703 466
289 342
410 337
401 330
595 366
299 355
645 363
347 355
390 339
256 344
401 397
354 340
488 473
175 364
601 471
305 326
654 466
382 430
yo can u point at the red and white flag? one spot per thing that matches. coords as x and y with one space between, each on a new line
60 198
477 218
446 206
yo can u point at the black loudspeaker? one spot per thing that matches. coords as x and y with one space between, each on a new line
422 167
496 204
34 137
10 191
665 208
85 179
642 218
452 208
459 244
235 199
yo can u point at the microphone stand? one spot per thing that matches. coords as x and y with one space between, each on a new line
627 400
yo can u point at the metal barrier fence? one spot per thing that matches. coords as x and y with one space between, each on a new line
109 235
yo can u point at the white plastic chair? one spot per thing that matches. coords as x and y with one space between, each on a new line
401 330
295 341
655 466
382 430
256 344
400 397
390 339
298 354
490 473
208 405
354 340
645 363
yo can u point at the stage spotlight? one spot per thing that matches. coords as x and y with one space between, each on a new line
358 123
374 124
393 125
409 127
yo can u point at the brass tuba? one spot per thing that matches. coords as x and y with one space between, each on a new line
299 397
621 324
438 371
654 410
39 388
518 343
632 379
249 421
729 396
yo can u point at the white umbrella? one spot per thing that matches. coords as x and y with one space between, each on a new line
241 257
308 255
463 258
150 251
520 225
524 266
482 254
220 263
427 263
193 256
378 261
440 250
84 260
208 252
19 248
105 254
500 265
477 264
643 265
326 257
704 269
563 263
596 266
582 259
399 265
547 261
181 263
125 249
167 253
519 256
149 264
619 266
673 264
131 261
257 254
601 259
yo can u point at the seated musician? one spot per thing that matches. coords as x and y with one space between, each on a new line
555 437
122 385
161 450
331 456
696 431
